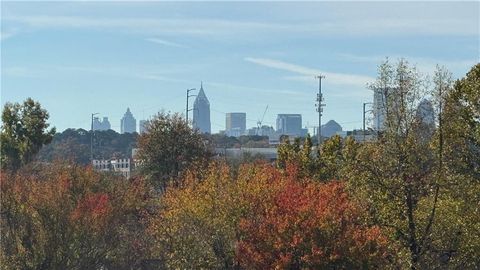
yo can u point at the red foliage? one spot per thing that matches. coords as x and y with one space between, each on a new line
308 225
93 208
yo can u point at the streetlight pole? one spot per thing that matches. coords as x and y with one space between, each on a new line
188 96
91 139
365 104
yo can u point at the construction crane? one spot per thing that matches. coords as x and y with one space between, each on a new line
259 122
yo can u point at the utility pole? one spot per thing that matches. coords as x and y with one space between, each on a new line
188 96
91 140
320 106
364 104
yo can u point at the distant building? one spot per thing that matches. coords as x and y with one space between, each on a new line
101 125
128 124
236 124
263 131
119 166
358 135
384 98
289 124
426 119
425 113
269 154
201 112
142 125
379 101
330 129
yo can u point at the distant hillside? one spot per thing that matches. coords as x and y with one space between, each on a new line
74 144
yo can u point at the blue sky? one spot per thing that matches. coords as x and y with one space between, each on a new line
82 57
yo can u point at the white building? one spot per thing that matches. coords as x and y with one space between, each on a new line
120 166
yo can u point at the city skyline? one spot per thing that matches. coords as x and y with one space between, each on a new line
79 58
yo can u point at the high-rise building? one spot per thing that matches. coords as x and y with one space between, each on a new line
128 124
201 112
425 113
142 125
384 98
101 125
235 124
379 101
289 124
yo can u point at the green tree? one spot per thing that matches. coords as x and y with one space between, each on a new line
168 147
328 162
24 132
455 240
405 181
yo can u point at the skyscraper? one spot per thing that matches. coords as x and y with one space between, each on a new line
235 124
379 100
425 113
142 125
383 99
289 124
128 124
201 112
101 125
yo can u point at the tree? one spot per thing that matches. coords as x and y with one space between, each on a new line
328 163
454 240
168 147
410 187
63 216
24 132
218 220
74 145
310 226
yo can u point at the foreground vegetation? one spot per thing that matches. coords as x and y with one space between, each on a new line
408 200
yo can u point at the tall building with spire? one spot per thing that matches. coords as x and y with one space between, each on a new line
201 112
128 124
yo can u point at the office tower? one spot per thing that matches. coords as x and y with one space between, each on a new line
235 124
201 112
289 124
142 125
128 124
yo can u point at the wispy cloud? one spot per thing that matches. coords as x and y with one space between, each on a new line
166 43
156 73
424 64
6 34
232 28
309 73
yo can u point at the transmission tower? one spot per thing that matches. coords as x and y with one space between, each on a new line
320 106
187 108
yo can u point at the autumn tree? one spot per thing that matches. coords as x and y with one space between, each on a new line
260 218
310 226
62 216
24 132
197 227
168 147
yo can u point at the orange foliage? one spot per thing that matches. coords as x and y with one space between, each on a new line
308 225
93 209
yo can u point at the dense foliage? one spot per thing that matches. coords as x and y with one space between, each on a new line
24 132
264 218
65 217
74 145
168 147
